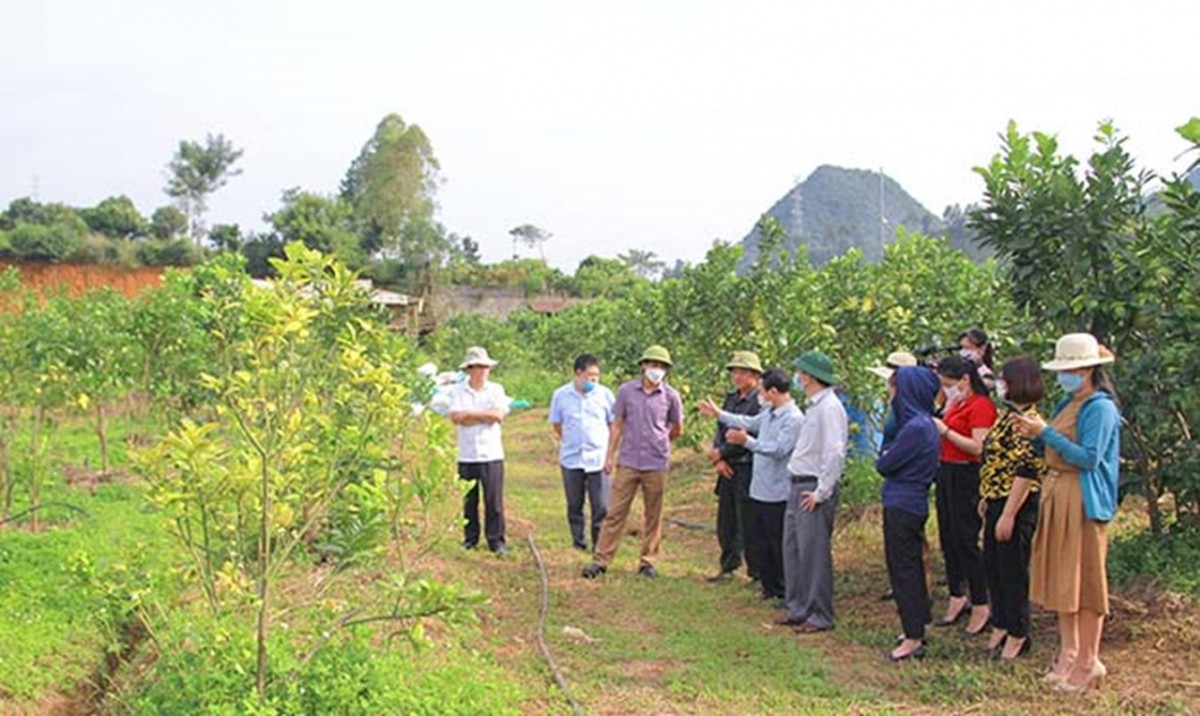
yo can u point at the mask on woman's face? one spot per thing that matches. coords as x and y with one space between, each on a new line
953 394
1070 382
655 375
970 354
1002 389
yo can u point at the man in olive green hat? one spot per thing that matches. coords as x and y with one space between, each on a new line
647 417
734 465
816 470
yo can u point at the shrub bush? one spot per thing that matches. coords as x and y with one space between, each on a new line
1171 561
202 665
44 243
168 252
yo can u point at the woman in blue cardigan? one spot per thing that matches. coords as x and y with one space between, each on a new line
1079 498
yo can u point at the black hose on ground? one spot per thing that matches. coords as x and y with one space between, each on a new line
690 525
544 612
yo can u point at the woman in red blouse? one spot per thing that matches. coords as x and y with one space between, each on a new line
966 418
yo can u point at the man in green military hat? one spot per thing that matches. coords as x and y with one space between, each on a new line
647 417
734 465
816 471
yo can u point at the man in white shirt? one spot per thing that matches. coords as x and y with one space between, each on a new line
581 412
816 470
477 407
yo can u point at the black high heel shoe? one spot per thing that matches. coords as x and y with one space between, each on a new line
918 654
981 629
1026 646
945 622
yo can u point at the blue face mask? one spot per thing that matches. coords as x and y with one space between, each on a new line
588 386
1070 382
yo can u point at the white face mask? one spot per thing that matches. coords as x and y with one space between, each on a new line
1001 389
953 395
655 375
763 402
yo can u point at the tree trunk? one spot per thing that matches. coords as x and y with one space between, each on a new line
35 471
5 475
1150 488
102 433
264 573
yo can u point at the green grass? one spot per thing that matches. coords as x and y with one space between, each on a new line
67 590
672 645
680 645
57 586
666 645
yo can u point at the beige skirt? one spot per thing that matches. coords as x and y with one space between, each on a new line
1067 567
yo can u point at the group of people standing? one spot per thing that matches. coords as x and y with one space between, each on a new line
1040 492
778 474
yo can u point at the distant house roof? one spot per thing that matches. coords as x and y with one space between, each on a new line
549 305
379 296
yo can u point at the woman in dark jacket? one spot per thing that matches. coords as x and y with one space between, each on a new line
908 465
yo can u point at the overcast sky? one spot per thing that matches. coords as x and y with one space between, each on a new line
650 124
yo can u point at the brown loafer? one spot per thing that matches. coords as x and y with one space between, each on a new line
809 628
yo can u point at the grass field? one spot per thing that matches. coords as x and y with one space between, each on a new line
679 645
625 645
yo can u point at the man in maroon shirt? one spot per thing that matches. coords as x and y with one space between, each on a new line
647 417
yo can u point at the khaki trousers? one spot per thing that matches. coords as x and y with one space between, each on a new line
624 486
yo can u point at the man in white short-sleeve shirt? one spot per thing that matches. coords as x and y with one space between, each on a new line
477 407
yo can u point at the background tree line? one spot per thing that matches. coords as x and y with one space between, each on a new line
1095 245
380 221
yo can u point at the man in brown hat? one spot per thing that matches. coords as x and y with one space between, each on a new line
733 464
477 407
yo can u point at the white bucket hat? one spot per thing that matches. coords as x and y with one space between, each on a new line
477 355
896 359
1077 350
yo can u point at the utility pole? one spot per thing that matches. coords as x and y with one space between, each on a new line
882 217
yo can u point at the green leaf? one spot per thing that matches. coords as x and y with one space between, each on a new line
1190 131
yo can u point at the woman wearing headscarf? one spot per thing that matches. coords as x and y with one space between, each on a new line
1079 499
908 464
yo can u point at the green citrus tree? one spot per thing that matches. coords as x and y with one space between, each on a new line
311 449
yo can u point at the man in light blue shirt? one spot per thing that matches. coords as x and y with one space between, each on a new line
581 412
778 427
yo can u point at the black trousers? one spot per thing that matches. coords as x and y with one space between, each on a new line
957 502
1007 566
764 540
903 542
579 484
733 512
489 476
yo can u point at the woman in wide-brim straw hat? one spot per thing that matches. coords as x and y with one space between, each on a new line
1079 498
